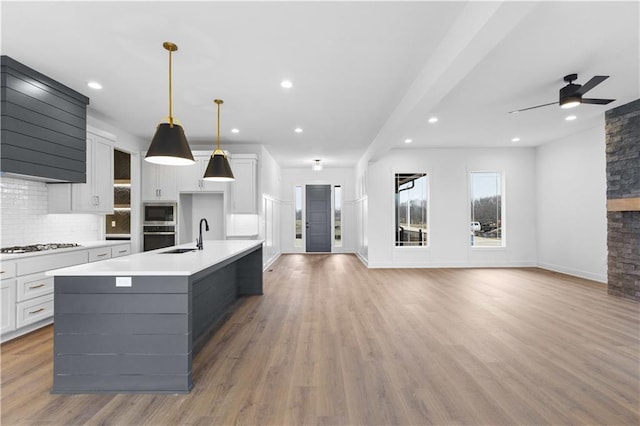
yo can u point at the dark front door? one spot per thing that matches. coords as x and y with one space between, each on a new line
318 226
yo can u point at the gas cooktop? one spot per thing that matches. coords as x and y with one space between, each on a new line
37 247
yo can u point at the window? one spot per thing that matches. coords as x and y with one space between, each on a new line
411 209
298 222
486 209
337 216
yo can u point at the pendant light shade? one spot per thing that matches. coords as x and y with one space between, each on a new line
218 169
169 145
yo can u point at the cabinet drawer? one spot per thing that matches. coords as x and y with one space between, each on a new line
122 250
34 310
50 261
99 254
7 270
35 285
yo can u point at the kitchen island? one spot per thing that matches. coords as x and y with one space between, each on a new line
133 324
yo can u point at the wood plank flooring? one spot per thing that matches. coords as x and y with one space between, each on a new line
332 342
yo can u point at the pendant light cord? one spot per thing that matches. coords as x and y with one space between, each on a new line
170 94
218 134
218 102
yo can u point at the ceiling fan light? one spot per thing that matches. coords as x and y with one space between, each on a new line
218 169
169 146
569 103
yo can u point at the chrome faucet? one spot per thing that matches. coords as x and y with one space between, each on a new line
199 241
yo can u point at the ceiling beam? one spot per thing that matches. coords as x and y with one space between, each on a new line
477 30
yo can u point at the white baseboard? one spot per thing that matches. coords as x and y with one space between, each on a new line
575 272
270 262
27 329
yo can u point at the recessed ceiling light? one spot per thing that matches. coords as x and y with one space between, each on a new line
515 140
94 85
433 120
570 117
286 84
297 130
408 140
235 131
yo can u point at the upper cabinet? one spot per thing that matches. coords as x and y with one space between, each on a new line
159 182
243 189
190 177
96 195
43 126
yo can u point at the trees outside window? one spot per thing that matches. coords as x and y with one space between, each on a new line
486 227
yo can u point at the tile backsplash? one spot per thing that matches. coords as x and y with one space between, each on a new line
25 220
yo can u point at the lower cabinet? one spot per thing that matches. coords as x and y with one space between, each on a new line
27 292
34 310
8 306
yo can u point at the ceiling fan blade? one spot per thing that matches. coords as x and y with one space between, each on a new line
597 101
533 107
591 84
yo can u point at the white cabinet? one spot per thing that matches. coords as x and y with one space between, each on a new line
190 177
159 182
243 189
96 195
101 253
121 250
34 310
7 306
34 285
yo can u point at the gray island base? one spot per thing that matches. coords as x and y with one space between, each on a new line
136 330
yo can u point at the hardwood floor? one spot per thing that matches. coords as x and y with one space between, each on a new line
332 342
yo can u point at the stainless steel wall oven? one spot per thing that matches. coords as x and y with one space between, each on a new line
159 227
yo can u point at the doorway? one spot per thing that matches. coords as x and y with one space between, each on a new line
318 218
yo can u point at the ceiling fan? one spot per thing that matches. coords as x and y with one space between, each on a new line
571 94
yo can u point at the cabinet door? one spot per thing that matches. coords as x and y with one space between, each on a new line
8 307
102 166
149 181
190 177
244 187
166 178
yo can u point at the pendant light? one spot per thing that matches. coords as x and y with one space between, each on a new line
169 145
218 169
316 167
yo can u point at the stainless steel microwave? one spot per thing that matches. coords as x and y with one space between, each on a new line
159 214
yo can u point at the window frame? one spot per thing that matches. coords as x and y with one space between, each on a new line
503 204
302 216
427 174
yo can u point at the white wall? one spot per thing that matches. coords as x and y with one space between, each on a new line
293 177
449 213
192 208
571 211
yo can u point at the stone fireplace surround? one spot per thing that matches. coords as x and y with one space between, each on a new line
623 200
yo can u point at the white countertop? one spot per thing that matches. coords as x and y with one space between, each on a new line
158 263
84 245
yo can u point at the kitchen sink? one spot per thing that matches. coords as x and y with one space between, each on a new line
178 251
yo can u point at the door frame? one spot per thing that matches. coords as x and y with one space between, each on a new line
303 247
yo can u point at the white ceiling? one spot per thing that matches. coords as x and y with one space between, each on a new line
366 75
